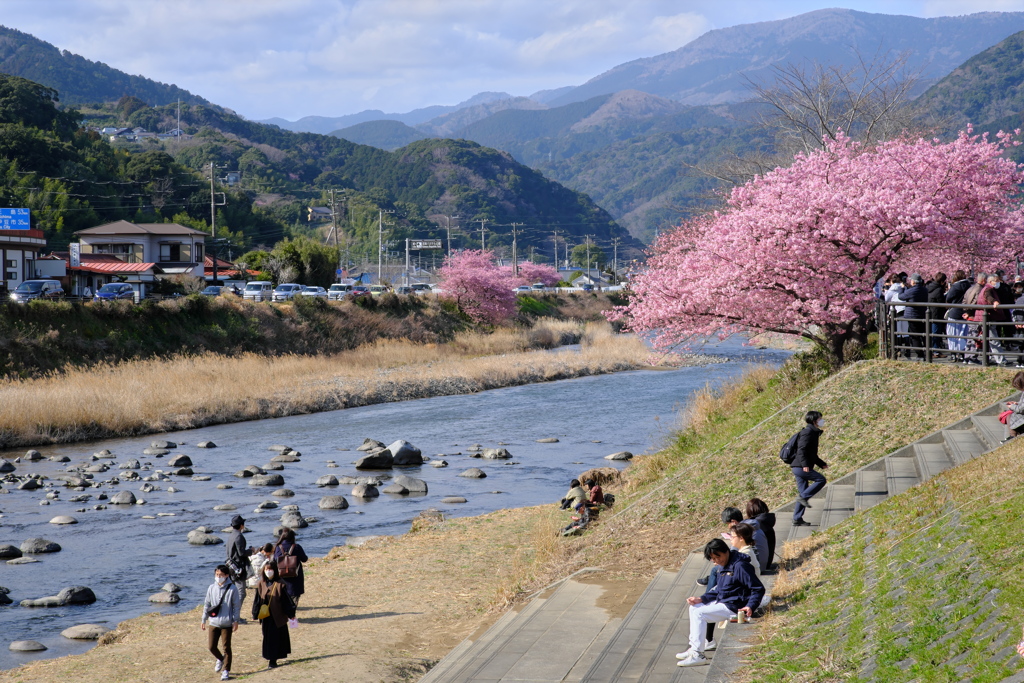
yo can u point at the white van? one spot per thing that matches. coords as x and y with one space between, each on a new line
260 290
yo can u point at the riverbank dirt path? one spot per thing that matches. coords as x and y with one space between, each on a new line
385 611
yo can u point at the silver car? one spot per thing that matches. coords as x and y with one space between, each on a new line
286 292
316 292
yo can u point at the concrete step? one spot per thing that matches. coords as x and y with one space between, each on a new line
900 474
840 504
468 648
871 489
932 459
963 444
812 515
990 430
654 630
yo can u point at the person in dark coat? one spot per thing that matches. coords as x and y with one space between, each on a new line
238 555
915 315
955 325
757 510
271 591
937 295
286 545
808 482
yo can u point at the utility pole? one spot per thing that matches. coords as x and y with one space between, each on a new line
214 203
482 231
448 224
515 252
615 260
588 259
380 242
406 261
554 239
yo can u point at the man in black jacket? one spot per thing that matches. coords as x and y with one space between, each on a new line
808 482
917 293
955 325
238 556
738 590
937 295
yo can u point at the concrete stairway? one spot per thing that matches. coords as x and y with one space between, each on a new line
564 636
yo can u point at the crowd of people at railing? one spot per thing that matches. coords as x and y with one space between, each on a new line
959 329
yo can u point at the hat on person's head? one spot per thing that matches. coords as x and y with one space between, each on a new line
237 521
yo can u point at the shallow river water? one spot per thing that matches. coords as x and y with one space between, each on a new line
125 558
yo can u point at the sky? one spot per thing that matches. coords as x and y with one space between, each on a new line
293 58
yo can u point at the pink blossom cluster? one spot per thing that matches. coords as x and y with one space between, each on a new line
483 290
798 249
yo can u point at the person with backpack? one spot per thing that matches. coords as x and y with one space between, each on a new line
221 613
804 458
289 557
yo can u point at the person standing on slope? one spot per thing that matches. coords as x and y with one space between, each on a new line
808 481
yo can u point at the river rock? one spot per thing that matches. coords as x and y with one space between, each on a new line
202 538
254 470
274 479
29 485
273 467
377 460
180 461
454 499
183 472
59 458
74 595
272 505
439 463
283 493
85 632
373 481
200 477
33 455
165 597
395 489
280 448
97 468
327 480
496 454
206 444
156 452
549 439
370 445
6 466
22 560
413 484
26 646
163 444
124 498
621 455
147 487
72 481
8 550
404 454
105 453
293 521
130 465
474 473
63 519
364 491
333 503
292 454
285 457
35 546
226 507
171 588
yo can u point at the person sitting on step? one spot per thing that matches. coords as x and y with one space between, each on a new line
739 590
757 510
741 537
731 517
1015 420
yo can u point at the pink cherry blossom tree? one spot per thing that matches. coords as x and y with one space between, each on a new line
530 273
481 289
798 249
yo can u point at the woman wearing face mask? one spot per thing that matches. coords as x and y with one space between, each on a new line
271 594
808 482
220 618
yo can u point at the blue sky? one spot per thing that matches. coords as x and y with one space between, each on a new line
292 58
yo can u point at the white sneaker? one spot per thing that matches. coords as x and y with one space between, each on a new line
218 665
684 655
710 645
695 659
225 675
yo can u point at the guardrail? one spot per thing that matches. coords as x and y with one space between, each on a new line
983 341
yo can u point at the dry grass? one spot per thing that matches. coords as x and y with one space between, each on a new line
545 548
148 396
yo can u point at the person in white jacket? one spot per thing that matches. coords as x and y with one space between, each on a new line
221 612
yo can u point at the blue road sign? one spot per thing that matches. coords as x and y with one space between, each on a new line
338 271
14 219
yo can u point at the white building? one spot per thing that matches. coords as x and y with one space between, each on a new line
175 249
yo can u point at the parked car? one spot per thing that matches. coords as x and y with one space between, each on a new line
538 287
338 291
258 290
377 290
37 289
587 288
358 291
286 291
421 288
114 291
316 292
522 289
404 290
217 290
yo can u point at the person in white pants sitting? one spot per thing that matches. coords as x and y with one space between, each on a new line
738 589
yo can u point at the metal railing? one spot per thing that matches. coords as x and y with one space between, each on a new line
987 342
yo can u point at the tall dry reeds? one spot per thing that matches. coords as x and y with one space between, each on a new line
148 396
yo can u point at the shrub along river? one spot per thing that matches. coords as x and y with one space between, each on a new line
124 558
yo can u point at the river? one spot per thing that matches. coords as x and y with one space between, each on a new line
125 558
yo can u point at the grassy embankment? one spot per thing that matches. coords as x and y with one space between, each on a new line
924 587
445 580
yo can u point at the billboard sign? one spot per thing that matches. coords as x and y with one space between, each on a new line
14 219
425 244
75 257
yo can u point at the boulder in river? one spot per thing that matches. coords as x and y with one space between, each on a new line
6 466
280 448
73 595
377 460
473 473
29 485
123 498
183 472
171 588
165 597
130 465
273 479
327 480
439 463
33 455
198 537
293 520
333 503
413 484
85 632
496 454
26 646
163 444
454 499
226 507
370 445
180 461
35 546
365 491
157 452
273 467
283 493
285 457
63 519
395 489
404 454
206 444
621 455
22 560
59 458
8 551
200 477
549 439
